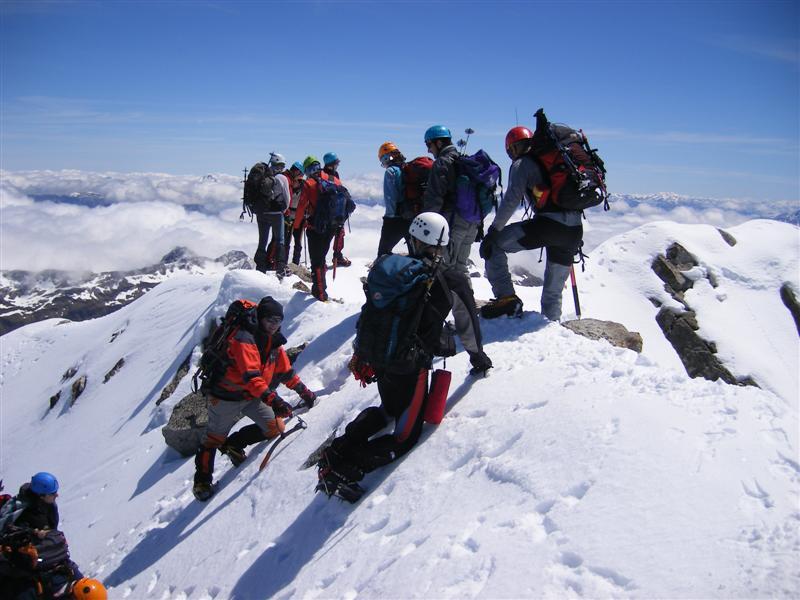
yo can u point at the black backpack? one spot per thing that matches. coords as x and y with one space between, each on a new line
334 206
574 172
259 191
214 360
387 326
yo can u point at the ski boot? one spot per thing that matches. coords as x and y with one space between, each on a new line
202 490
339 480
511 306
237 455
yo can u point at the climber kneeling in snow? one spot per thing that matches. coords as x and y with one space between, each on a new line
254 364
397 335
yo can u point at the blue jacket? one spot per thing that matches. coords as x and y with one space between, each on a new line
392 190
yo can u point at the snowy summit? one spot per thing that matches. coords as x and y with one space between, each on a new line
575 469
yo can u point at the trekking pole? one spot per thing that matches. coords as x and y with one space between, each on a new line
575 291
305 247
299 426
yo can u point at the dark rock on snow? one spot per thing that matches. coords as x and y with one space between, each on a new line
614 333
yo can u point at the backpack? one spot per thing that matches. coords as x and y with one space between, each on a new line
334 206
53 550
259 191
215 360
575 173
415 180
477 177
387 326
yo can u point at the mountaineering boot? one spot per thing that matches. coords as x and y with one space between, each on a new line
237 455
510 306
338 477
318 285
202 490
342 261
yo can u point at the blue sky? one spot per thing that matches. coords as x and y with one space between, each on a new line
698 98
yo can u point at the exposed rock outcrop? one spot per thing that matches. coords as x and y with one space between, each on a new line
680 326
78 387
187 424
614 333
114 370
179 375
790 301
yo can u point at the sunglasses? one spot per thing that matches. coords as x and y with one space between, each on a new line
386 160
273 320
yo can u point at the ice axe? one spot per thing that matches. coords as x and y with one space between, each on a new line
299 426
575 291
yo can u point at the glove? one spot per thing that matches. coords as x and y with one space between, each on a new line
309 398
487 245
281 407
362 371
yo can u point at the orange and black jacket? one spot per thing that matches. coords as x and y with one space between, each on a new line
257 365
308 199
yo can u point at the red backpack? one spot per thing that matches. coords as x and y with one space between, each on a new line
415 180
575 172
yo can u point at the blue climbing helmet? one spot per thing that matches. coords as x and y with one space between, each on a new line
437 132
44 483
330 158
298 165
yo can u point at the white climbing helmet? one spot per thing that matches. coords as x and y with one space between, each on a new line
431 228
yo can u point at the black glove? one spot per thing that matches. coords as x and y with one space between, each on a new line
309 398
280 407
487 245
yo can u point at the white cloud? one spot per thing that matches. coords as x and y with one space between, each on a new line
148 214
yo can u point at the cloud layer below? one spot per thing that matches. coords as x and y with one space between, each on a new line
76 220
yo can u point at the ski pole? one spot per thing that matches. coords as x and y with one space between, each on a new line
575 291
299 426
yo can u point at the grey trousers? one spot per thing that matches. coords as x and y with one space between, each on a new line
223 414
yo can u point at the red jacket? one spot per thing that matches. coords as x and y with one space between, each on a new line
258 365
308 199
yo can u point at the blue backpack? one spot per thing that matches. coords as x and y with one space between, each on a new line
334 206
477 177
386 329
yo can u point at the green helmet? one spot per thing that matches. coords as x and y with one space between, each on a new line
310 160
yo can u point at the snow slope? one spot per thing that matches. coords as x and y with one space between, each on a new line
575 470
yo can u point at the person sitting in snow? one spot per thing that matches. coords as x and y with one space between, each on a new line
258 364
35 561
402 386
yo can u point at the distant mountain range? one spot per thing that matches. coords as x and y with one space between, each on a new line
26 296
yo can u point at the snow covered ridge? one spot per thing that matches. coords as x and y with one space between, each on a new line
575 469
27 297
